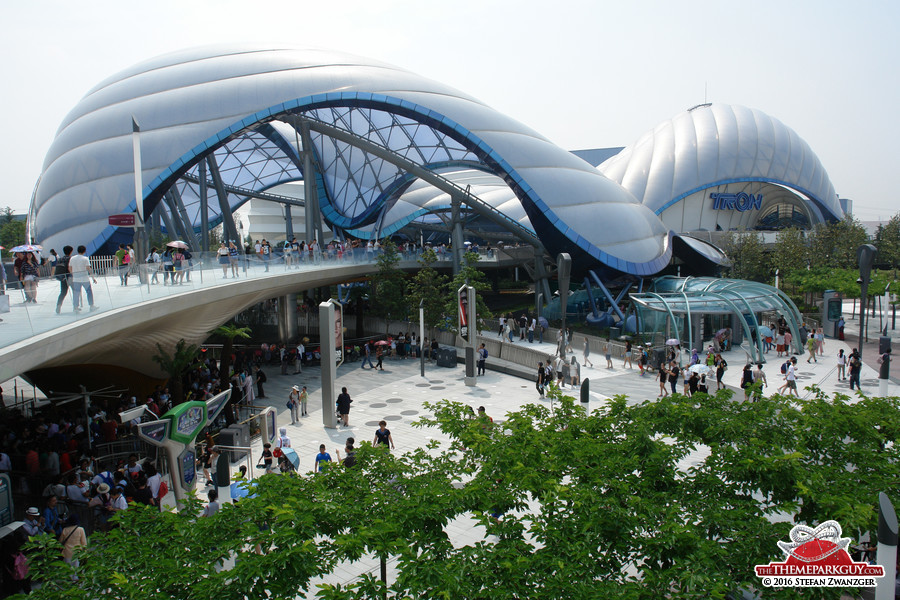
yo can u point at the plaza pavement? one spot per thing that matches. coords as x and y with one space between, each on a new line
397 395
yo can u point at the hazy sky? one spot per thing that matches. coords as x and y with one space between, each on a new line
585 74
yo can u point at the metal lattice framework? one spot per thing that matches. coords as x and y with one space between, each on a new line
689 296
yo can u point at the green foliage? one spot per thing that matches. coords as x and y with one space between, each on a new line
12 233
470 272
175 363
816 281
887 240
677 498
834 245
790 253
429 287
229 331
748 258
389 283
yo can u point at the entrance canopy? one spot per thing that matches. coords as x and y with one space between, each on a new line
687 300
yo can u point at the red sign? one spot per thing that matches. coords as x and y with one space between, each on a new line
125 220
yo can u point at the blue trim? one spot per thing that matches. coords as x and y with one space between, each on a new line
543 219
815 199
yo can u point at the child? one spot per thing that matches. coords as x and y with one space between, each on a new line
321 458
267 457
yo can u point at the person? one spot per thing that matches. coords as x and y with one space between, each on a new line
855 365
627 360
34 522
502 321
153 261
117 499
265 253
575 372
788 337
587 352
702 385
266 457
674 372
759 381
383 436
298 363
260 380
642 361
779 343
52 523
283 440
222 257
294 404
790 377
485 419
607 353
841 365
661 375
562 372
350 459
367 356
179 264
540 379
721 367
71 537
321 458
61 272
233 257
288 255
531 327
747 380
123 258
840 325
482 359
304 399
811 347
379 357
28 273
820 341
213 506
693 384
343 406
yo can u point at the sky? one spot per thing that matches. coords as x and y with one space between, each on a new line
586 74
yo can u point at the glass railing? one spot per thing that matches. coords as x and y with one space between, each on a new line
147 282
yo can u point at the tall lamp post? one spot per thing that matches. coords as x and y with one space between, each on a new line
564 271
865 255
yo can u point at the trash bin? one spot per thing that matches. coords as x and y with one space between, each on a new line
446 357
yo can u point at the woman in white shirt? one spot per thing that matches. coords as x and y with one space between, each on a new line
841 365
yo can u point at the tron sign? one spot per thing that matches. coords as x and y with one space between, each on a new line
740 202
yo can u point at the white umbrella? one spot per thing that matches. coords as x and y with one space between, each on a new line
672 342
699 369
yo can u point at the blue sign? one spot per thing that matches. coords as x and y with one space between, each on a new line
187 462
740 202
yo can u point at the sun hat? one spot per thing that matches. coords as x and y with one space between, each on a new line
103 488
33 511
295 388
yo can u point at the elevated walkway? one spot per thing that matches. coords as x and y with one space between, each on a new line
130 320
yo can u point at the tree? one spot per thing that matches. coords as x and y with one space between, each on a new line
429 287
12 233
616 503
834 245
468 272
229 332
887 240
389 283
175 364
790 253
748 258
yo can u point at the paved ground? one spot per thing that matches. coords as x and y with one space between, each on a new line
397 393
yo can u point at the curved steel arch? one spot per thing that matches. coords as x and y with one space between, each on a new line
153 191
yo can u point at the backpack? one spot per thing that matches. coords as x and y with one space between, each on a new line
163 490
20 567
784 368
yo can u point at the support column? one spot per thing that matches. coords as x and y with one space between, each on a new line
329 356
162 209
456 233
225 208
287 318
541 279
288 222
178 214
204 207
310 194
